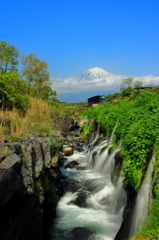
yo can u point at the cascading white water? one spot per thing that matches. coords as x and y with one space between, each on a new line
120 197
142 201
98 156
103 163
94 131
98 209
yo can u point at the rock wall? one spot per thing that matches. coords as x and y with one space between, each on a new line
29 174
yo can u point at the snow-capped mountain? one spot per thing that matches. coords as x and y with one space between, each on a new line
96 73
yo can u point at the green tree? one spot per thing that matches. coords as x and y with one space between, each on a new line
8 57
13 92
128 81
125 88
46 92
35 73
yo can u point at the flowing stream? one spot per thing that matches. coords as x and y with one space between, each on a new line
144 196
91 208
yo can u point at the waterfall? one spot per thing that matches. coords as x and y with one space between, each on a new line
92 202
101 161
142 201
98 156
120 197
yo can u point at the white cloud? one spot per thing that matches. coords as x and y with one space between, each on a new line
111 83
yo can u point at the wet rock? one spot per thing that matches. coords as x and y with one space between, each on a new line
68 151
71 164
81 233
81 200
71 138
81 167
79 149
71 186
118 159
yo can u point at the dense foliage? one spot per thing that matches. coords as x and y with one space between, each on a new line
8 57
137 128
33 79
136 122
13 92
35 73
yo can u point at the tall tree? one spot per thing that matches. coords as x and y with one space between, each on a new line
36 74
125 88
128 81
8 57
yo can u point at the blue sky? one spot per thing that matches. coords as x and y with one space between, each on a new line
120 36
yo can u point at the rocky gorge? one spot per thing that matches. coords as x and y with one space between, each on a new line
38 173
30 183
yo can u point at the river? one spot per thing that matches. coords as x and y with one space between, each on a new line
92 206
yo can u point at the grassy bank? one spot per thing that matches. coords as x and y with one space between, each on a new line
137 128
40 115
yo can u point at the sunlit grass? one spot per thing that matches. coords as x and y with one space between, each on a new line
40 115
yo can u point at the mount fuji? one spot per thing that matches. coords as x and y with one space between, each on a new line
94 81
95 73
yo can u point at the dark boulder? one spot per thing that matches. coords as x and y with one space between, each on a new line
71 164
81 233
81 168
81 200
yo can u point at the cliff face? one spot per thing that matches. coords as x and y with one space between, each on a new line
29 170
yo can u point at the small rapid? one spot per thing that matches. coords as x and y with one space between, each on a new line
90 208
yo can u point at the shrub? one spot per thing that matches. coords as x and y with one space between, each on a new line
137 128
